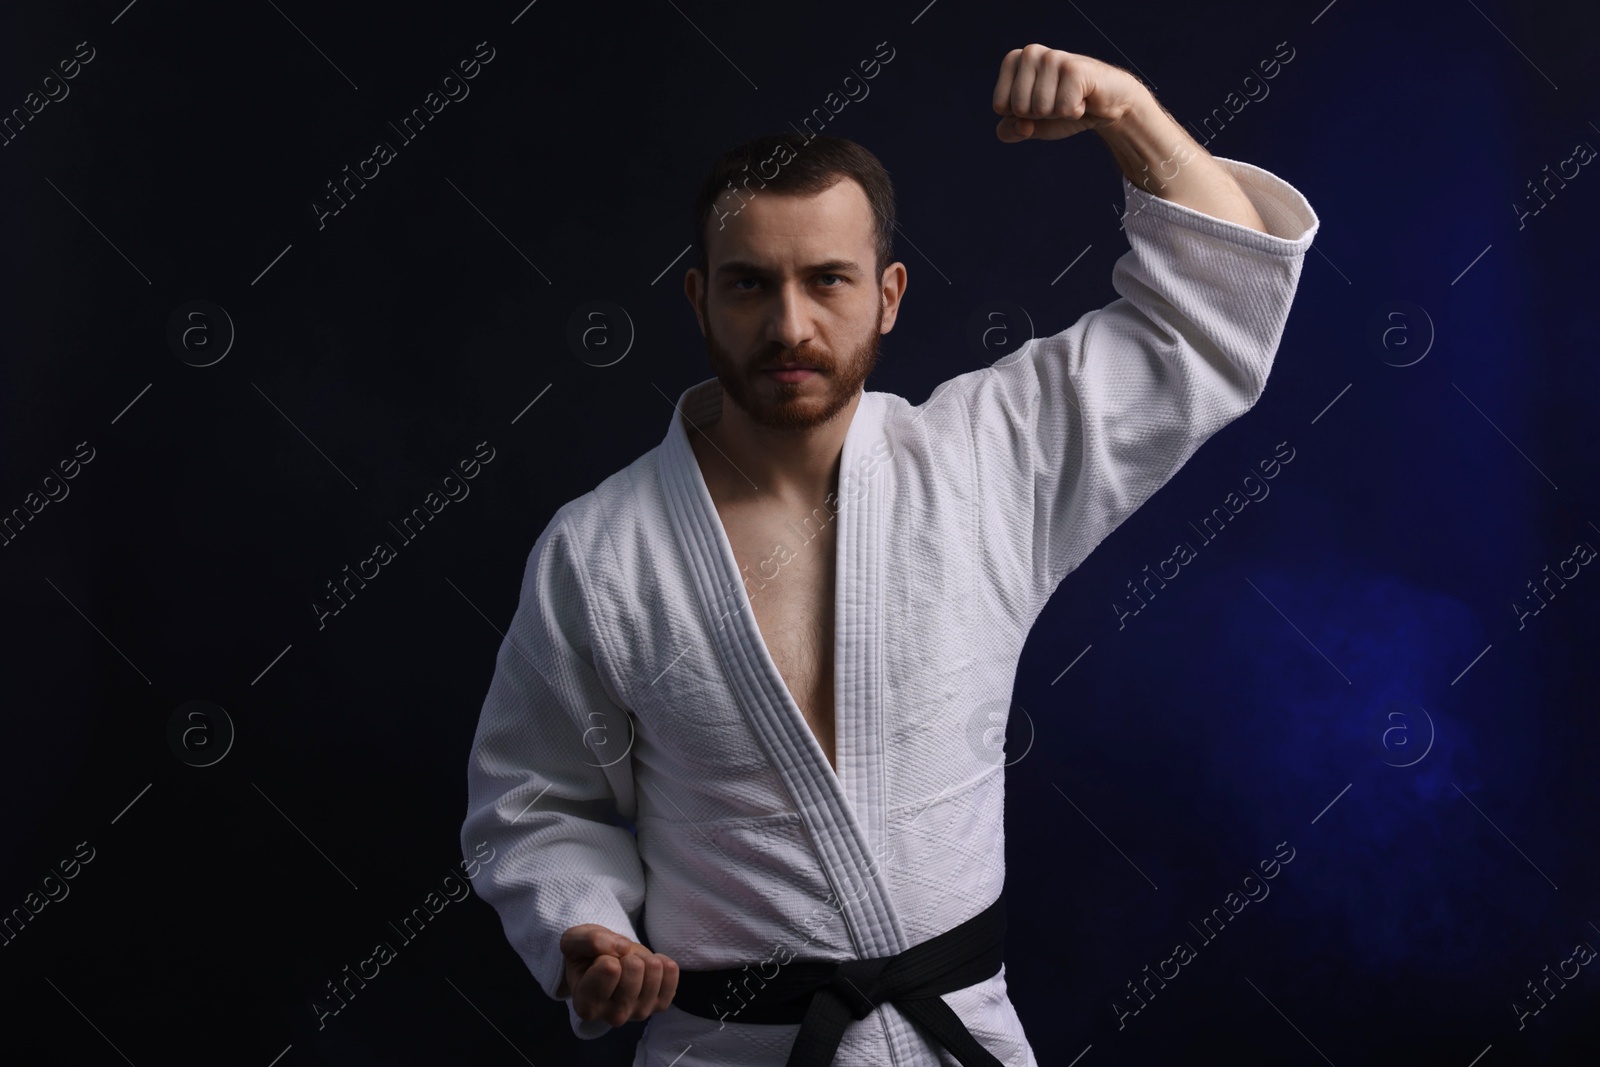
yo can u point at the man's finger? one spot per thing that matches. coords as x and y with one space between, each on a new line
626 994
669 983
1002 85
1027 73
591 939
597 985
649 988
1011 129
1046 89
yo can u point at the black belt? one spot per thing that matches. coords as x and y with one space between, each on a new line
825 995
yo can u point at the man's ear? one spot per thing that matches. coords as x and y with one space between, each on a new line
892 290
693 279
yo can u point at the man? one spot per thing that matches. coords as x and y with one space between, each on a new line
764 641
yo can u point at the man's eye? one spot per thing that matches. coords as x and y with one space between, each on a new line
736 283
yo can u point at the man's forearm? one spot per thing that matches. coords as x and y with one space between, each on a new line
1158 155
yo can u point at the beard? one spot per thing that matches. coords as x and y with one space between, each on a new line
793 405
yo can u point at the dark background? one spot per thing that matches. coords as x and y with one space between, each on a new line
1255 691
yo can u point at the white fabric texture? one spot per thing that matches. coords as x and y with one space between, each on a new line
634 676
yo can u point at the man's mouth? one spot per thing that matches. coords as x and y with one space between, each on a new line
791 372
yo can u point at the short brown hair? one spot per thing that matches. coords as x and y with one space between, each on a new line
805 166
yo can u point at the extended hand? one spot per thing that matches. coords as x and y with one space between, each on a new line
1046 94
613 978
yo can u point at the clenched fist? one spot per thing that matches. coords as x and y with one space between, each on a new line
613 978
1046 94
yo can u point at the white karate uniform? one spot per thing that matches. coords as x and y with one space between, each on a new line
634 673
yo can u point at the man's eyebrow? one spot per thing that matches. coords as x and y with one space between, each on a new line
741 266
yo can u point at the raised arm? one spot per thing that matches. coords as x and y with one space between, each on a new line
1071 433
1046 94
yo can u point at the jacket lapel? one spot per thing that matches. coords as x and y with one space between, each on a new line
844 813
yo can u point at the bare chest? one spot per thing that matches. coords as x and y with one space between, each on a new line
788 572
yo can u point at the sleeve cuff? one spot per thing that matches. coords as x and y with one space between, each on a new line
588 1031
1290 221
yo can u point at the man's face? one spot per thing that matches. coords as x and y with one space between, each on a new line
793 281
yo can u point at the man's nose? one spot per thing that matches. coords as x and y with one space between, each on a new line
790 322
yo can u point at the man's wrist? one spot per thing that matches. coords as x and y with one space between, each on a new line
1147 143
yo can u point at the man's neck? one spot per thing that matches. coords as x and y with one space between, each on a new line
742 460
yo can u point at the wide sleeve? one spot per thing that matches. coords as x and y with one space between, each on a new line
549 763
1071 433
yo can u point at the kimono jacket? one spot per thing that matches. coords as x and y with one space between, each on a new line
633 680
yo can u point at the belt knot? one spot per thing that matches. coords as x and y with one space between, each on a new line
856 983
